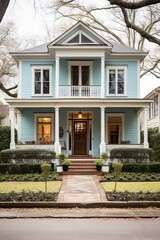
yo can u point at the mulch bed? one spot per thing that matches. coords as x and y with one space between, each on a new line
28 197
132 196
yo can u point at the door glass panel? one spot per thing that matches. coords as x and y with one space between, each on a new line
85 75
75 75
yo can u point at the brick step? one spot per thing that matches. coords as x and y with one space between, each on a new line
82 167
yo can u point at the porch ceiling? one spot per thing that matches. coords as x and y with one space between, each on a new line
107 103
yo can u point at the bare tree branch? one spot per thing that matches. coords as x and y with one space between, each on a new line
142 32
133 5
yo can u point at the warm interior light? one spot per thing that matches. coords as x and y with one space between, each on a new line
80 114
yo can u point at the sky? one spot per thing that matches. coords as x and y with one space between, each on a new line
30 24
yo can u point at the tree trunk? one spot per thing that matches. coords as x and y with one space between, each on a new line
3 8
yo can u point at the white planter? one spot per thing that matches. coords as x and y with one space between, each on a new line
59 168
105 168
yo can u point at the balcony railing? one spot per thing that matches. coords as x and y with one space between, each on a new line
79 91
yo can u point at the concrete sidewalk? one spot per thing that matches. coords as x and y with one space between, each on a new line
81 188
79 213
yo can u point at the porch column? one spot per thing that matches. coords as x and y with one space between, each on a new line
57 78
19 125
102 144
12 125
146 144
56 144
138 128
102 77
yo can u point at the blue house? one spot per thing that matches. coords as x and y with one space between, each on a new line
80 94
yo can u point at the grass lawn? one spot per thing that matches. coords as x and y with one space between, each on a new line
52 186
132 186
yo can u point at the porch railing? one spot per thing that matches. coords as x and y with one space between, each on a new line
80 91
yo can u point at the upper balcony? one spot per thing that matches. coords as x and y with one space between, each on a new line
80 91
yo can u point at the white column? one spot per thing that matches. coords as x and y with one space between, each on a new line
57 78
146 144
102 144
102 77
56 144
19 125
12 125
138 127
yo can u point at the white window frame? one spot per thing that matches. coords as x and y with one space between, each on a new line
42 67
107 125
116 68
80 64
43 115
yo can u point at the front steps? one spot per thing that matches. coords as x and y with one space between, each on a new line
82 167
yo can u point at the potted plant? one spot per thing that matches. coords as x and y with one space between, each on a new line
99 164
65 164
105 157
60 158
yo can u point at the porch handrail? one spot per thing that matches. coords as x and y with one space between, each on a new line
92 91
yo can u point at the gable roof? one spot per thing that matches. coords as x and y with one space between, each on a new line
98 41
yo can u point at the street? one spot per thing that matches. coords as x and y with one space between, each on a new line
76 229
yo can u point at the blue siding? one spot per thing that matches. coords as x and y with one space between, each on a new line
131 76
26 85
63 72
96 72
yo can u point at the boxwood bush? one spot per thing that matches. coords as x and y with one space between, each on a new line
134 167
27 155
5 137
19 168
128 155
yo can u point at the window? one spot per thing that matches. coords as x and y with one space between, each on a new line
42 80
116 80
44 128
115 128
156 106
153 108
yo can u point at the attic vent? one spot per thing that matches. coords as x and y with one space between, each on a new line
79 39
75 39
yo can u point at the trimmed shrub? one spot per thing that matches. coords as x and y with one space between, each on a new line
134 167
20 168
27 155
127 155
5 137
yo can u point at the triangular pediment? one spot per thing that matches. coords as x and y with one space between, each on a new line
79 34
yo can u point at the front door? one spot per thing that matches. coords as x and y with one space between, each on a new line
80 137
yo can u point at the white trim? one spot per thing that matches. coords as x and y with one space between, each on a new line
116 68
138 79
42 67
20 80
138 127
122 115
80 64
43 115
57 78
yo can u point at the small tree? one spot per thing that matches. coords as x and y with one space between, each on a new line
46 168
117 169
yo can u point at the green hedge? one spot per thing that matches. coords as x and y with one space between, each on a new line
19 155
5 137
138 155
20 168
133 167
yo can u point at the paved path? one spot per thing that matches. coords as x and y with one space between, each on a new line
81 188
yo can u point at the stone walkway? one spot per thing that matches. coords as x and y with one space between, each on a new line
81 188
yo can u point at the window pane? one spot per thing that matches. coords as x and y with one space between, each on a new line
120 87
112 83
75 39
84 39
37 88
75 75
46 75
46 87
37 75
85 75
